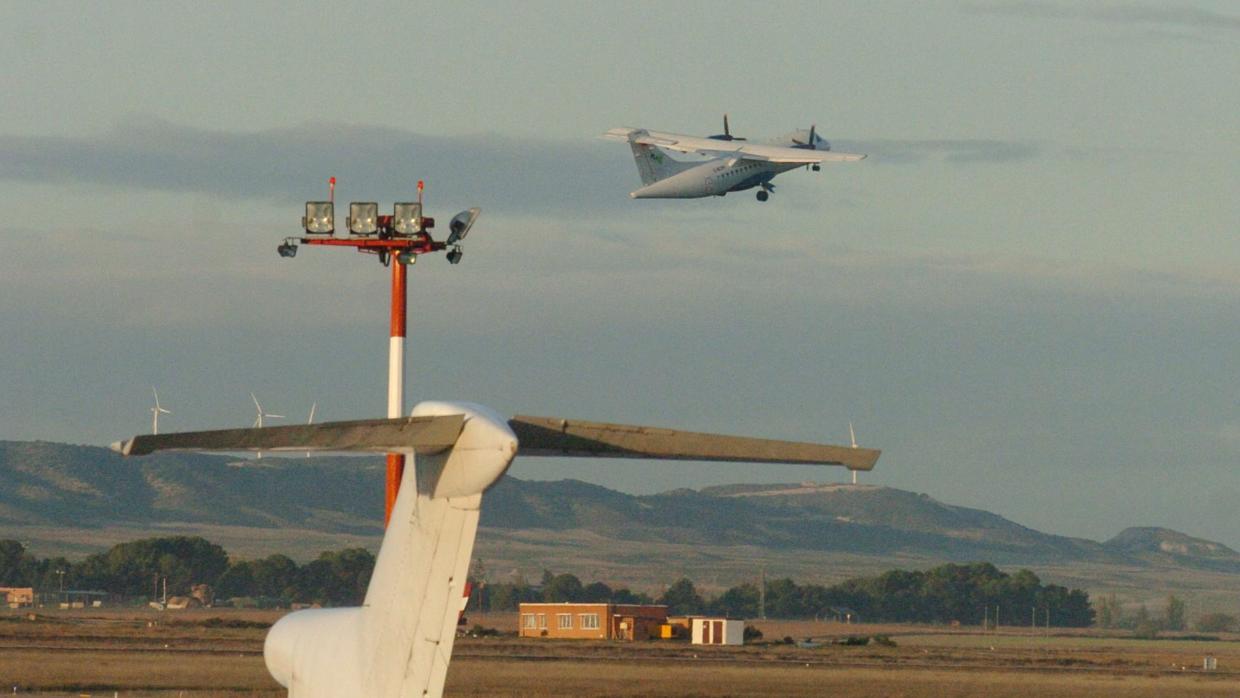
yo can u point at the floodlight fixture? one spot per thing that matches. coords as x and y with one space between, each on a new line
320 218
407 257
363 218
407 218
460 225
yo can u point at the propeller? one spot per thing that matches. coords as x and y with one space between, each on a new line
809 142
727 133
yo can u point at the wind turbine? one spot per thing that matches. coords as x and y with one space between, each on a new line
852 436
155 411
258 420
311 419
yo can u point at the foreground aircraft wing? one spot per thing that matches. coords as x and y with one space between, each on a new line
421 434
552 436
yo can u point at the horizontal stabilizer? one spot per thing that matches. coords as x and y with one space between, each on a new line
551 436
419 434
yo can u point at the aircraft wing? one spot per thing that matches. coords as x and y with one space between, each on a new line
423 435
552 436
739 149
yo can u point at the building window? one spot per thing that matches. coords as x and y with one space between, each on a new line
542 620
565 620
589 621
527 620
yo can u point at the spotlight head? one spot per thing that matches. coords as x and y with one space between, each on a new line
320 218
363 218
288 248
455 254
407 218
460 225
407 257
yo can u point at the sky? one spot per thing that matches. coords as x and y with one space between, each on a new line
1027 295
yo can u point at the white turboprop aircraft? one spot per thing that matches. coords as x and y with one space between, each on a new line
733 164
399 642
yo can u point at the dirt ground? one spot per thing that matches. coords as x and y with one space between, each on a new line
219 653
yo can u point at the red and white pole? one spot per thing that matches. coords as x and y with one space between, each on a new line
396 383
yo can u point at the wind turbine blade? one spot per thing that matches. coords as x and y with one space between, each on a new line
312 406
260 407
274 416
156 393
163 410
852 436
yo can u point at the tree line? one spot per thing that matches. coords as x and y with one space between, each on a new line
137 570
969 594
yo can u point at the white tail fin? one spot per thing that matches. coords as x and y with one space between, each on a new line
653 163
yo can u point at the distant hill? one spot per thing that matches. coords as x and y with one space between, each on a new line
77 498
51 484
1167 547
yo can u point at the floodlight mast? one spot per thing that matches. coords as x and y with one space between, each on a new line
397 241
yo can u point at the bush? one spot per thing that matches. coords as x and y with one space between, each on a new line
1216 623
884 641
854 641
751 634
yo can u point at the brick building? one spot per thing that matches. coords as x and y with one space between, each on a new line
591 621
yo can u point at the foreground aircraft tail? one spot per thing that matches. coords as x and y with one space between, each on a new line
653 164
399 642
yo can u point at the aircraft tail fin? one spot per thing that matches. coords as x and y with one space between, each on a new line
653 163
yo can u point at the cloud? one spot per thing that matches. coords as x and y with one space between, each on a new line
1156 15
514 174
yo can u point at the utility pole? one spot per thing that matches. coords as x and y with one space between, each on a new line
762 594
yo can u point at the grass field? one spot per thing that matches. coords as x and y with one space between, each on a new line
219 653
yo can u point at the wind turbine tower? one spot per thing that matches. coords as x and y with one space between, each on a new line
258 420
852 437
155 412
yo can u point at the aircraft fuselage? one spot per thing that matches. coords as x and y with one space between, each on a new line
713 178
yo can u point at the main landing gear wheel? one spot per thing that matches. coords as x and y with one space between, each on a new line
763 196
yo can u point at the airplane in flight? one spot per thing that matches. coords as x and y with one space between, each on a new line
399 642
731 163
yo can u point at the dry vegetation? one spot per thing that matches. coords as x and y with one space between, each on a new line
219 653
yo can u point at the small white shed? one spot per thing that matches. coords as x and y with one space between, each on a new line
718 631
